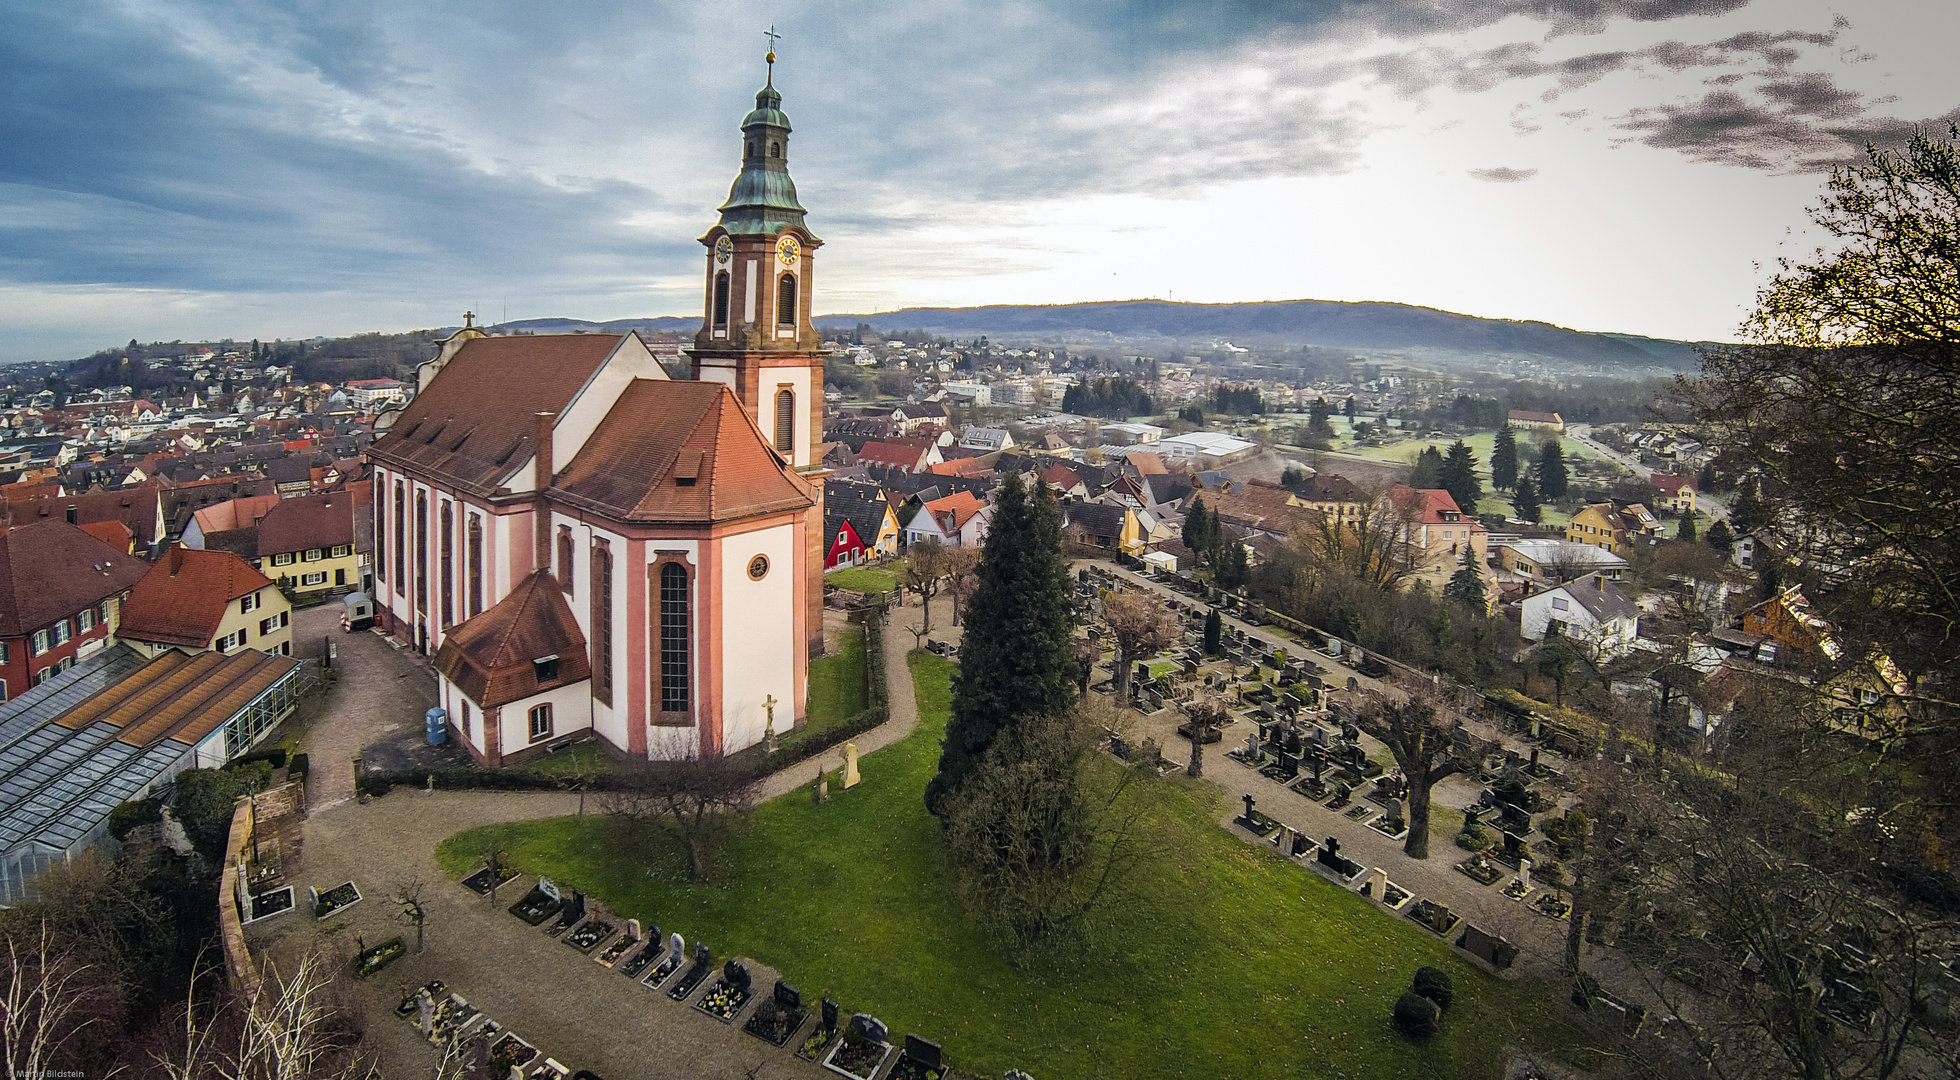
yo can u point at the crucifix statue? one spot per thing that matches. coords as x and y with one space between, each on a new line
769 731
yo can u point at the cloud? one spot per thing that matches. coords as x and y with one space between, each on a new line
1504 174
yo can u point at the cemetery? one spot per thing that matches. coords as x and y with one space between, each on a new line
845 894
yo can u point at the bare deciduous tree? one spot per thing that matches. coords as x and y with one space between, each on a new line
407 898
41 1006
1142 627
1420 730
694 799
962 576
922 573
290 1029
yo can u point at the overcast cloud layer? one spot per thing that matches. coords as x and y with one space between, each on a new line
201 168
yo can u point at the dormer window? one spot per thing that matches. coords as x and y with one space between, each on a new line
546 668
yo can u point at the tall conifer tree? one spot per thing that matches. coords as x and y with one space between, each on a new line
1015 660
1552 477
1525 499
1504 459
1459 477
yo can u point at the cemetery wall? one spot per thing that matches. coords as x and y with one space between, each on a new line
241 971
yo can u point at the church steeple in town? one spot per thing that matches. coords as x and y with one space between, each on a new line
763 198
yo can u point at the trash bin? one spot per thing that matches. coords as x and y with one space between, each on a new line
438 726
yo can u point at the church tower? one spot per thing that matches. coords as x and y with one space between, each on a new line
756 335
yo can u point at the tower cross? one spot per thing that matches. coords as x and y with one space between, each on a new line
772 35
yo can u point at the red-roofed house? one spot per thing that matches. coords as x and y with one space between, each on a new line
1435 532
905 455
958 520
60 594
1677 492
206 600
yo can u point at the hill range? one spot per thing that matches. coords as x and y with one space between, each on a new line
1367 327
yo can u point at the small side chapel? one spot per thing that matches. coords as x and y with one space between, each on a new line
586 543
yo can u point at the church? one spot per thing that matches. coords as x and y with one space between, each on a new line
589 544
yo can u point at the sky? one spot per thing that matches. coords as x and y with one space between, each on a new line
201 169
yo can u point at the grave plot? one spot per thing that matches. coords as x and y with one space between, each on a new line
1434 917
637 964
1481 869
1518 889
725 999
380 956
920 1060
588 936
572 914
450 1018
274 902
862 1050
1256 822
339 898
777 1018
1550 906
669 963
487 878
626 943
537 906
411 1000
1395 896
508 1053
551 1070
696 975
1362 812
1313 787
817 1044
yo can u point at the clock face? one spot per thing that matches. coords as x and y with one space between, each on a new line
788 250
724 249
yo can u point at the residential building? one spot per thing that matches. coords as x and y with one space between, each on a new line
1677 493
369 395
986 439
61 595
1591 611
1103 525
1621 528
1435 531
206 601
1550 562
866 512
308 543
1209 449
957 520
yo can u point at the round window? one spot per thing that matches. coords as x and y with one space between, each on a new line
759 567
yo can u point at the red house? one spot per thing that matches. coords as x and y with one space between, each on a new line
60 593
846 546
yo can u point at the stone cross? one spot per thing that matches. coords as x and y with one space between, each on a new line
769 726
425 1011
851 777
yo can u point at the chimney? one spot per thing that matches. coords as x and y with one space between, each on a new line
71 515
542 472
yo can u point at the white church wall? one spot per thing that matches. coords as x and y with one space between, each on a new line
798 381
571 713
631 360
759 640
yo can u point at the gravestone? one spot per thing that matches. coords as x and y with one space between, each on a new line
1524 872
787 996
872 1028
1513 844
1375 883
425 1011
1015 1074
676 949
702 954
735 974
1489 948
851 777
923 1051
1392 808
1300 844
633 929
829 1015
1289 766
1283 839
1251 755
1247 818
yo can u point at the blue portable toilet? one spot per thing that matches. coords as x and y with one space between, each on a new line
438 726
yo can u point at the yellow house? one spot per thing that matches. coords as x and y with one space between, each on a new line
307 543
206 600
1618 528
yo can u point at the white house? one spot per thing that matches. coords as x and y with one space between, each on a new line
958 520
1592 611
987 439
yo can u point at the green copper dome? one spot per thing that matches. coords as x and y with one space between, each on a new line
762 200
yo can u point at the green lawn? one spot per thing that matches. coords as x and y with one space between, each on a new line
863 579
837 685
1223 960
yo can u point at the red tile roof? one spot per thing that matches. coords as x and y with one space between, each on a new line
185 595
113 533
492 656
307 521
895 454
1671 485
475 423
955 510
1146 463
50 570
1431 506
679 451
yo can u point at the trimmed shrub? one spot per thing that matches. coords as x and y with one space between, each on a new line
1475 839
1434 984
1416 1015
275 757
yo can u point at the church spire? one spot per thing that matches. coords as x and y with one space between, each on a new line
762 200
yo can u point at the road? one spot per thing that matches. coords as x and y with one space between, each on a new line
1583 433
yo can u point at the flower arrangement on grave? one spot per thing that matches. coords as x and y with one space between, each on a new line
334 899
907 1069
510 1052
617 949
858 1055
592 933
775 1022
813 1047
411 999
373 960
536 907
724 1000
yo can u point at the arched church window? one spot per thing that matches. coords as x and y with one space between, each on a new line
565 558
602 615
673 638
775 149
721 299
476 564
786 301
785 420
